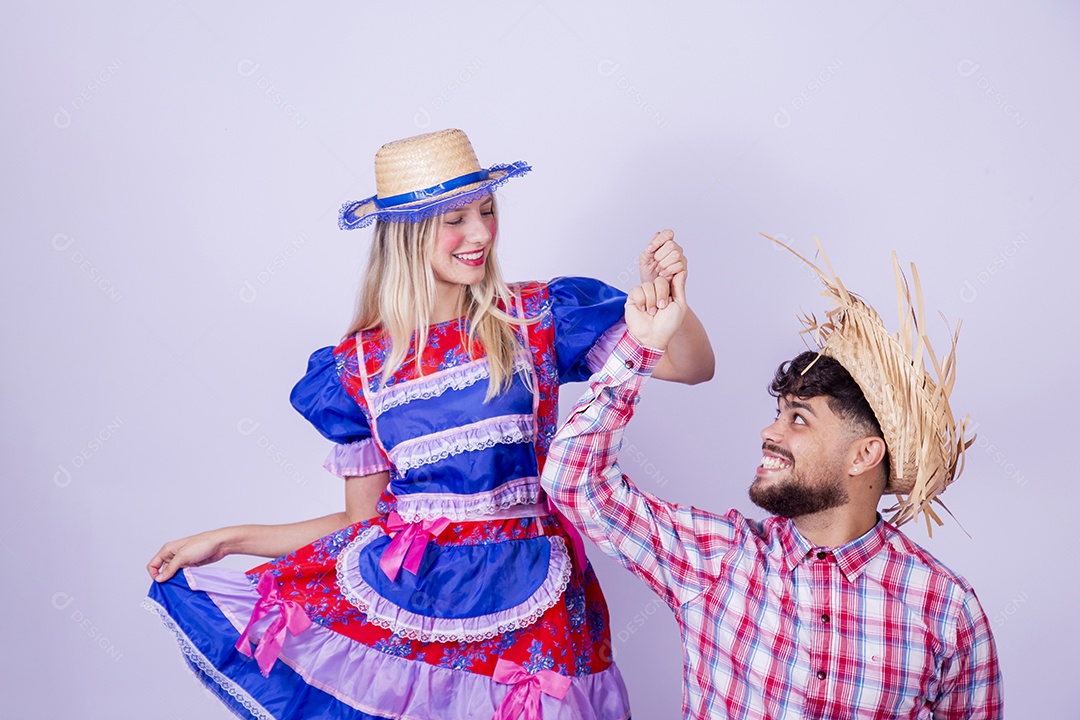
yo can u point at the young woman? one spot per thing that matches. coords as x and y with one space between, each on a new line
448 587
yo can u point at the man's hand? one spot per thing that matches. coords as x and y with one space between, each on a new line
654 310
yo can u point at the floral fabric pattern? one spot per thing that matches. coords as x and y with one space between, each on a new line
572 637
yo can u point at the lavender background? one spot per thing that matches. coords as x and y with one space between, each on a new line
169 182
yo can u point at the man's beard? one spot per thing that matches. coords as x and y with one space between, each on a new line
795 496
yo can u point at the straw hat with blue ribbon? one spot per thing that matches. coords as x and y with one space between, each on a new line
424 176
926 443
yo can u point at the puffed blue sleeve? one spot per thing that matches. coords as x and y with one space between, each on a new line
321 398
588 318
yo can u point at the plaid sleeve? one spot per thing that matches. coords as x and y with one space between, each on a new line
676 550
971 683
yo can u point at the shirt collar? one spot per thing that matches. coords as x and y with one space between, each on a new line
795 547
851 558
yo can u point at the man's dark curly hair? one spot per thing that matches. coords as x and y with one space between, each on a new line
829 378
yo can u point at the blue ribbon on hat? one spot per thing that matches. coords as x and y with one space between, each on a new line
434 190
361 213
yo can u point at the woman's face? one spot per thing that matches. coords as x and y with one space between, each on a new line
462 243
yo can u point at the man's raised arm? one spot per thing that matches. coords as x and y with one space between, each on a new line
660 542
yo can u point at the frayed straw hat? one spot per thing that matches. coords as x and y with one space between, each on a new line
424 176
926 445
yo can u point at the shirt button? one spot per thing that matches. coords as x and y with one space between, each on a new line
825 618
629 364
822 555
820 674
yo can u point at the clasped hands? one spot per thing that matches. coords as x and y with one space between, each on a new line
655 308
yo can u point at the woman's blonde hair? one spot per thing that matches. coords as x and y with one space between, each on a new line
398 295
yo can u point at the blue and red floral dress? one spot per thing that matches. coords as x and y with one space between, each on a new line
465 597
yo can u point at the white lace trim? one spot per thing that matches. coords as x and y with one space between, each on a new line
359 458
415 507
205 666
455 378
386 614
427 449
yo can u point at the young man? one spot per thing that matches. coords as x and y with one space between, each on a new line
823 610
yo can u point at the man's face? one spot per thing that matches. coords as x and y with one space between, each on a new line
804 459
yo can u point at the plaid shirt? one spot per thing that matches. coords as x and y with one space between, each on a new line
775 627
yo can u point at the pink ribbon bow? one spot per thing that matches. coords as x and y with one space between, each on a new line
291 619
524 698
407 547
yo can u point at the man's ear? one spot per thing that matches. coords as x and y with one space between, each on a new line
867 454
